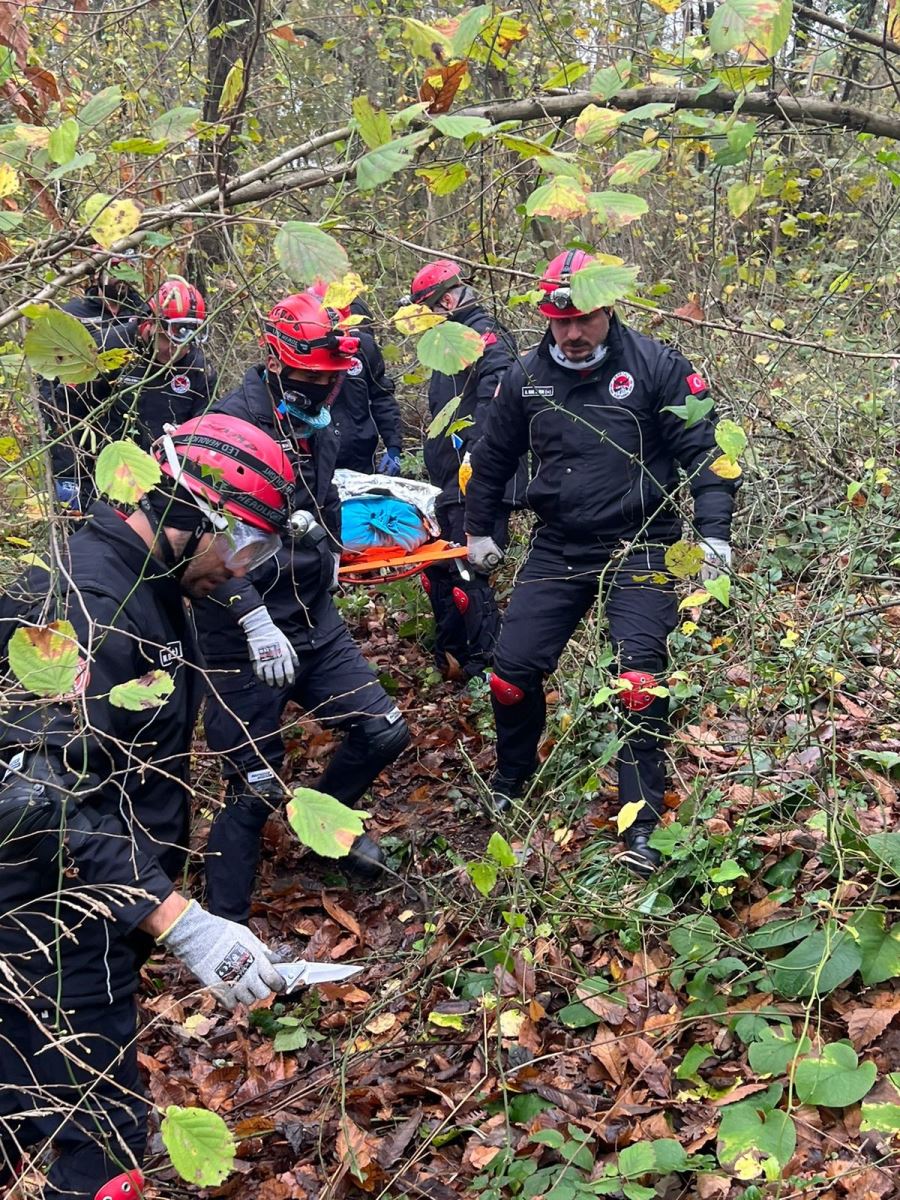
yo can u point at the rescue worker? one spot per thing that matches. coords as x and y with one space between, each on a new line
169 380
277 636
593 404
465 611
78 418
94 803
365 408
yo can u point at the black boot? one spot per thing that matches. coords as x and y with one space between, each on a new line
504 790
639 856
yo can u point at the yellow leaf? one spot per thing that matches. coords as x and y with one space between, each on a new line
341 292
667 6
9 180
17 541
382 1023
628 814
117 220
689 627
415 318
725 468
232 88
35 135
694 600
511 1021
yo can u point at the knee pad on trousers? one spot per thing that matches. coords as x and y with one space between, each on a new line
254 799
505 693
461 601
379 740
637 696
426 584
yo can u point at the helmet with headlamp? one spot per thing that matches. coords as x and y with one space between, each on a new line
556 284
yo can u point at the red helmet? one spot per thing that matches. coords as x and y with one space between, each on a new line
556 282
232 466
434 281
127 1186
320 290
302 333
179 309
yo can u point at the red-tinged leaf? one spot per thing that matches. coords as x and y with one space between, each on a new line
13 29
691 311
441 84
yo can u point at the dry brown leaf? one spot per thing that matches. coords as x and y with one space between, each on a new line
606 1048
340 914
864 1025
357 1150
691 311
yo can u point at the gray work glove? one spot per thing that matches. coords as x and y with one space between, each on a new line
224 956
484 553
274 658
336 577
716 558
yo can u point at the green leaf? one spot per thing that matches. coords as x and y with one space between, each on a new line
879 946
636 1160
7 64
449 347
199 1143
139 145
58 346
731 439
669 1155
692 411
763 24
175 125
776 1048
548 1137
577 1016
443 180
647 112
63 140
483 875
745 1131
634 166
447 1021
595 124
611 80
124 472
882 1112
150 691
500 851
602 284
781 932
78 163
696 937
821 963
617 209
374 126
231 88
741 197
524 1107
442 419
834 1078
886 846
562 198
683 559
306 253
471 23
378 166
693 1061
566 76
290 1037
101 106
322 823
719 589
44 658
460 127
727 871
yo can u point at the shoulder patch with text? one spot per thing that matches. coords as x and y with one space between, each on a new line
621 385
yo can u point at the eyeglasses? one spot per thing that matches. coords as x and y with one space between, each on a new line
243 547
184 329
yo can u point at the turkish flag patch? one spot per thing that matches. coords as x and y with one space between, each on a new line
488 339
697 383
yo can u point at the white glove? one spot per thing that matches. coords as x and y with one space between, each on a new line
716 558
224 956
274 658
484 553
336 578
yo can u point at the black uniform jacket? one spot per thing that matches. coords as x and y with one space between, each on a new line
605 450
149 395
475 386
366 408
130 619
66 407
295 584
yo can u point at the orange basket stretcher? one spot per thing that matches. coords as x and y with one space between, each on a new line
386 562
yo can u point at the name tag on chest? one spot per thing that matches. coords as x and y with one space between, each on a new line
544 393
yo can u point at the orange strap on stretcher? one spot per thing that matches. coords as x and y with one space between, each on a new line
378 557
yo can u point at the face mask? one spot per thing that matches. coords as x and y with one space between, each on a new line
304 401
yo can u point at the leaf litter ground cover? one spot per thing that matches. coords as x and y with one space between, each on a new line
729 1031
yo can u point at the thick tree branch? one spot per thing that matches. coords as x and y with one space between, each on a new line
270 179
850 31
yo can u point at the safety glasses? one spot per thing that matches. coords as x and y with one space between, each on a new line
244 548
185 329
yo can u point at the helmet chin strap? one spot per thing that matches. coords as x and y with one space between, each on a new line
208 520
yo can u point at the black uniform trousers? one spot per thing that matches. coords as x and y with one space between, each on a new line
553 592
85 1100
467 620
335 686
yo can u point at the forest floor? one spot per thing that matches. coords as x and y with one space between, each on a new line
574 1032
